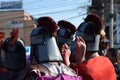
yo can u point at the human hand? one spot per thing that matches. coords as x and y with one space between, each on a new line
14 36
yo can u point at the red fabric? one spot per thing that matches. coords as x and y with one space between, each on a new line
98 68
49 23
67 25
2 36
2 70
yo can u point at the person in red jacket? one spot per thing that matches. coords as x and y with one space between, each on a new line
89 64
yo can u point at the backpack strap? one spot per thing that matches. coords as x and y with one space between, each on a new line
4 43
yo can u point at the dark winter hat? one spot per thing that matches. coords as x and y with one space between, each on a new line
65 32
104 40
49 23
94 18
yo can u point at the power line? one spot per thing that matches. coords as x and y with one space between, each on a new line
54 12
75 16
31 1
53 6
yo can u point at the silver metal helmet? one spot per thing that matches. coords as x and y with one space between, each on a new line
44 46
65 32
43 42
89 32
13 57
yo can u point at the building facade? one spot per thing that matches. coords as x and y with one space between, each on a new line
17 18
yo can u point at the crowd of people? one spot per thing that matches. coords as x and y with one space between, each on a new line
60 51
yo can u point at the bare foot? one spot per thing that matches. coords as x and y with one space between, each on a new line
65 51
80 49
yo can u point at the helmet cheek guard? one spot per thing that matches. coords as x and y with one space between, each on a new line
13 57
43 46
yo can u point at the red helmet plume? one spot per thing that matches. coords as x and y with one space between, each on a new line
49 23
2 36
94 18
66 24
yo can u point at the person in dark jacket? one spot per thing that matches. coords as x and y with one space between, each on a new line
114 55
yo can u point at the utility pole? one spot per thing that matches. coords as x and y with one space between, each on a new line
111 24
102 9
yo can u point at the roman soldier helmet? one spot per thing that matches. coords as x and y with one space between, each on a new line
43 43
65 32
13 53
90 31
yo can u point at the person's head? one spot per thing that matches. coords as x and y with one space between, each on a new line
13 55
65 32
104 43
43 43
90 30
114 55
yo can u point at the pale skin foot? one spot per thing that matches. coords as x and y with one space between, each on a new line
65 51
80 49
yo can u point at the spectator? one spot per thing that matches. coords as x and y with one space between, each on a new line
13 56
114 55
2 37
65 35
90 65
103 46
44 50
